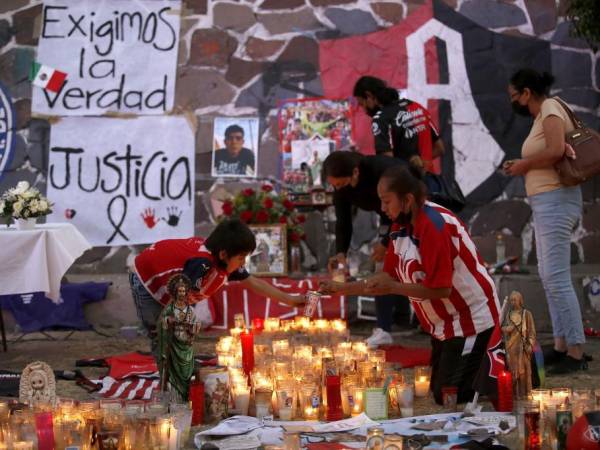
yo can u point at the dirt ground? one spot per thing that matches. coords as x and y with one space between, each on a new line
61 354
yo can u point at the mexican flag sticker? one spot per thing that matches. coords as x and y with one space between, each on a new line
47 77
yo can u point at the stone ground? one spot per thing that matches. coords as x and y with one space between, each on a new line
62 354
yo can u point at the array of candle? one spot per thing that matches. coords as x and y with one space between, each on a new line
99 425
308 370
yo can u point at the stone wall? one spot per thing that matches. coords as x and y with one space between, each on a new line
242 57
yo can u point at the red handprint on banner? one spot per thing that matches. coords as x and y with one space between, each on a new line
149 217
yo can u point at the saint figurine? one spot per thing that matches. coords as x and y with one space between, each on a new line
519 337
176 333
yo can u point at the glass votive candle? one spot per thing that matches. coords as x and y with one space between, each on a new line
541 396
285 403
263 398
110 404
532 425
302 323
241 398
261 380
405 395
339 326
224 344
22 445
281 347
356 400
450 397
271 324
321 325
422 380
303 352
563 394
310 402
235 332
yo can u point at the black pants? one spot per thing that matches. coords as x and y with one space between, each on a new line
455 362
390 309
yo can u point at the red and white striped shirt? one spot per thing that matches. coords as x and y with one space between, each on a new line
437 252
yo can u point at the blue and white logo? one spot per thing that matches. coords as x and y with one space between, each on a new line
7 130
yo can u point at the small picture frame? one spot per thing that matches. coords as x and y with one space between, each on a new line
270 257
318 197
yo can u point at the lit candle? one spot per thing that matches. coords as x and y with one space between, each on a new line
422 381
563 394
281 347
241 398
541 396
235 332
302 323
339 325
258 324
271 324
357 402
505 400
321 324
164 428
311 413
247 339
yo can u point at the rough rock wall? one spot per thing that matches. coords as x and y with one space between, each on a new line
242 57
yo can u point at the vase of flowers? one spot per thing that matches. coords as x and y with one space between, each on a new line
265 207
24 204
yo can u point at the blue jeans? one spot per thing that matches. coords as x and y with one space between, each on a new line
555 215
147 309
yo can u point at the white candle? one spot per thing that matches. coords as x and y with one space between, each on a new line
422 386
242 400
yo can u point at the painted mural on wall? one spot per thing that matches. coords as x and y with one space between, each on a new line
7 129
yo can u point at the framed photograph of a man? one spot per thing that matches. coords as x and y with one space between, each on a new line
270 257
235 147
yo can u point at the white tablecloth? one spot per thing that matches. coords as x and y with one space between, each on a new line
36 260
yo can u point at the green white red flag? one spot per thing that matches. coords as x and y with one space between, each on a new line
47 77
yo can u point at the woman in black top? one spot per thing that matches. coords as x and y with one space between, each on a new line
354 177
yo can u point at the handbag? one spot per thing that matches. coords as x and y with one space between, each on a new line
445 192
586 144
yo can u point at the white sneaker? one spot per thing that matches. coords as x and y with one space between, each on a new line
379 337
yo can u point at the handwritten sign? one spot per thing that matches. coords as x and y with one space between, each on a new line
119 56
123 181
7 130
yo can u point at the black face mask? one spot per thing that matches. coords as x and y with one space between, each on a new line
522 110
371 111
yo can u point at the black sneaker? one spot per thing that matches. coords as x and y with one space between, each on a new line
552 356
568 364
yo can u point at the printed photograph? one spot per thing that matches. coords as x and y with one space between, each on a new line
235 147
270 256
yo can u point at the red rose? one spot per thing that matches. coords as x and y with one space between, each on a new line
227 208
267 188
262 216
283 219
268 203
246 216
249 192
300 218
287 204
294 237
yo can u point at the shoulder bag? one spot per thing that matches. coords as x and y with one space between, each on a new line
586 144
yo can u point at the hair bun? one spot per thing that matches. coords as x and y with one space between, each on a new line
416 169
547 79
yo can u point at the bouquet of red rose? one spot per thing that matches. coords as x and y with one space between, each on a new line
265 207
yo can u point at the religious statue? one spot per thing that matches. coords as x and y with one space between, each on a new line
38 385
176 333
519 337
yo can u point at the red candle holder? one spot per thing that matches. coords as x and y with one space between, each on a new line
334 398
258 325
247 339
505 394
197 399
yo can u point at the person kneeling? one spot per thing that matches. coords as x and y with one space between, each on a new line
433 261
209 264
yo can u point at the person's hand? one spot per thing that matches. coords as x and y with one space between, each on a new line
378 253
417 162
570 151
295 300
330 287
381 283
336 260
515 167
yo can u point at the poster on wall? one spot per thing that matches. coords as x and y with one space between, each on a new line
235 147
302 119
117 56
123 181
308 155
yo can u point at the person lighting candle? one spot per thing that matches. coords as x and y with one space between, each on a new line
432 260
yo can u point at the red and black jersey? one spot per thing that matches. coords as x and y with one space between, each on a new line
437 252
159 262
405 128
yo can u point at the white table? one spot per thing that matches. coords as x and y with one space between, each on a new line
36 260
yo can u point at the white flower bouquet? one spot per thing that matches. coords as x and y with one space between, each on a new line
24 202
